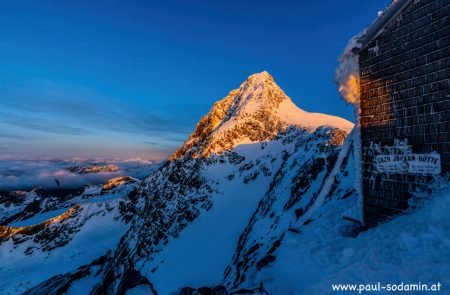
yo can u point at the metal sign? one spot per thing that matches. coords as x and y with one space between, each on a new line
429 164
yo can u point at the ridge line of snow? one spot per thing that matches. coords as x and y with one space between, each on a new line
331 178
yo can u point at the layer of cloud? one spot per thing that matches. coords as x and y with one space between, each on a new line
29 174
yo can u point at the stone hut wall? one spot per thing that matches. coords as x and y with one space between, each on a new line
405 103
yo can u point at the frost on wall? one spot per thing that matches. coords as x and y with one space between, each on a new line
348 79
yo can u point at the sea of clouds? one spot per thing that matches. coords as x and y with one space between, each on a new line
27 174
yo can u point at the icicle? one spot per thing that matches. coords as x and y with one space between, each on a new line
357 151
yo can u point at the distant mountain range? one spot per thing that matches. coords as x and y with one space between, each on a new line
57 174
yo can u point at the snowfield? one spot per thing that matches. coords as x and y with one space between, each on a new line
96 237
412 248
65 243
199 256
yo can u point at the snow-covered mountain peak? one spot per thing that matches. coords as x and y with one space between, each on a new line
260 77
258 91
255 112
198 209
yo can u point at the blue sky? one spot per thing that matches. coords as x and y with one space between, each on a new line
132 78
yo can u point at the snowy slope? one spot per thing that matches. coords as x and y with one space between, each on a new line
38 218
302 185
22 208
209 242
411 248
59 241
15 203
199 202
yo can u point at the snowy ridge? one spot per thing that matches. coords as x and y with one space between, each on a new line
7 231
331 178
48 246
301 186
38 205
255 112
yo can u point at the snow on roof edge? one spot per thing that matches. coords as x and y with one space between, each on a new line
393 10
347 72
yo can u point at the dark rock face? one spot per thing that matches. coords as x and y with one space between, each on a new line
29 210
174 196
218 290
303 182
115 182
59 284
187 291
93 169
21 205
131 279
265 261
48 234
